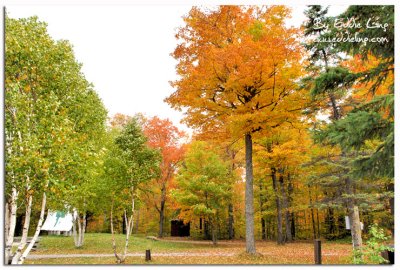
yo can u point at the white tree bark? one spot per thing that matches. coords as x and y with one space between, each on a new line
6 220
133 212
79 235
37 232
112 233
25 230
6 229
129 226
11 227
128 232
79 229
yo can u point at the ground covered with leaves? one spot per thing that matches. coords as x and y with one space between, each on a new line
176 251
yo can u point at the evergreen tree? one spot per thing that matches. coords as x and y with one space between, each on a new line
329 81
365 131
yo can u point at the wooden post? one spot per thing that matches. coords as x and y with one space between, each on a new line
148 255
317 251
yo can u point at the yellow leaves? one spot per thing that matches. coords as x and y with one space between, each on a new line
24 77
228 75
361 90
30 192
27 88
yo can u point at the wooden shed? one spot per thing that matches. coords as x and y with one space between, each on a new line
179 228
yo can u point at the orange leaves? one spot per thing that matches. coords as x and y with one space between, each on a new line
357 64
239 67
163 135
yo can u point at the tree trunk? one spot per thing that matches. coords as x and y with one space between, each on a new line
162 206
278 207
123 224
312 213
335 109
391 203
128 232
12 219
205 232
137 220
293 225
129 224
330 221
6 224
263 228
25 231
249 209
230 222
37 232
313 223
318 229
74 232
262 219
288 227
214 233
79 235
112 233
82 235
285 204
354 216
79 230
289 214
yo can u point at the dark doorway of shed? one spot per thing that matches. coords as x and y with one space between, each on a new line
178 228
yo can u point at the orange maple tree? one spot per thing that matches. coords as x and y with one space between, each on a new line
166 137
239 67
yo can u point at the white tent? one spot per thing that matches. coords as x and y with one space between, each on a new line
58 221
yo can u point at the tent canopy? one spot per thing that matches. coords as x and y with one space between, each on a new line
58 221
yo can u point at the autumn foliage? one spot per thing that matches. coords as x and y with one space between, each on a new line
290 138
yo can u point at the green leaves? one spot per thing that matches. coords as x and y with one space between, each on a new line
332 80
128 163
204 185
375 245
370 115
369 126
55 121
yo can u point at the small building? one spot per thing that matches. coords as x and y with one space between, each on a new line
58 222
179 228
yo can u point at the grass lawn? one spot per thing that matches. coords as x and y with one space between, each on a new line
102 243
226 252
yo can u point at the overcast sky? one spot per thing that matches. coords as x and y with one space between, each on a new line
125 50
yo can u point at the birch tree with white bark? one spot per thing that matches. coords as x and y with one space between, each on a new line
44 96
129 163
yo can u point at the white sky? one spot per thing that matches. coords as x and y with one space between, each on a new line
125 50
